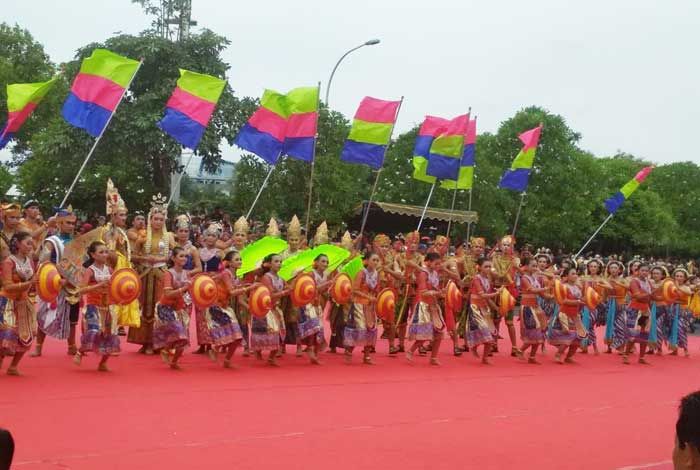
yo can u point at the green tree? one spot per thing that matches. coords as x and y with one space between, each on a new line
137 155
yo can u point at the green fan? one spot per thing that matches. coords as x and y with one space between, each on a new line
336 256
253 254
299 261
353 267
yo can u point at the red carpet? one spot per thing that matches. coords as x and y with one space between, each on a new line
598 414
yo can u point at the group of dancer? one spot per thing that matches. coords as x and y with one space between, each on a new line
640 311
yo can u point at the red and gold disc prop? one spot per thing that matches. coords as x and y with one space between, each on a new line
342 289
453 297
304 290
203 290
591 298
559 291
386 301
669 290
506 302
260 301
49 284
124 286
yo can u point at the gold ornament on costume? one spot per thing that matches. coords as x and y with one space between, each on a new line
477 242
159 205
382 240
64 214
182 221
413 237
11 210
214 228
273 230
241 226
115 203
294 228
346 241
321 237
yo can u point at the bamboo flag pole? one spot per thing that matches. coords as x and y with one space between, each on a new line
179 179
469 223
427 202
99 137
262 186
517 215
365 213
313 165
607 219
454 196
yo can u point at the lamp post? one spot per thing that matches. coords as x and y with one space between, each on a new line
371 42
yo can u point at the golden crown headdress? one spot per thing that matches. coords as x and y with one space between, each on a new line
321 237
115 203
273 229
294 228
241 225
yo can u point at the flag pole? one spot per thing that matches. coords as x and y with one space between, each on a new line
97 140
517 216
313 163
469 224
365 213
262 186
427 202
607 219
452 210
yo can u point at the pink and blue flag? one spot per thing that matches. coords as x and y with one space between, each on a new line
370 133
22 99
97 90
517 177
285 124
439 148
190 107
465 180
613 203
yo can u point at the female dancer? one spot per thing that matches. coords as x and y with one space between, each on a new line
638 322
680 316
660 307
172 320
617 302
210 259
16 308
545 276
591 319
532 317
221 320
480 327
100 322
310 325
265 332
563 332
427 322
361 326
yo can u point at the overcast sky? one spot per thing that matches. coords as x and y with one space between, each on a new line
624 73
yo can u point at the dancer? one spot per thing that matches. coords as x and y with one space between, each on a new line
172 316
60 317
16 308
266 332
11 214
638 322
617 304
591 319
680 316
224 330
291 315
361 326
480 327
505 267
152 250
659 305
32 221
240 233
311 315
389 277
427 322
564 332
409 264
339 313
99 318
545 276
210 261
532 317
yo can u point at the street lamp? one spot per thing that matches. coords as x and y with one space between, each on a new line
371 42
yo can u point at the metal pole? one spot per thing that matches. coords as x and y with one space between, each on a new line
452 210
422 216
371 42
313 166
376 179
593 236
469 224
97 140
517 216
257 196
176 186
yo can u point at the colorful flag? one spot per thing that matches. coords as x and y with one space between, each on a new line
97 90
516 178
613 203
190 107
22 99
283 125
370 133
439 148
465 180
